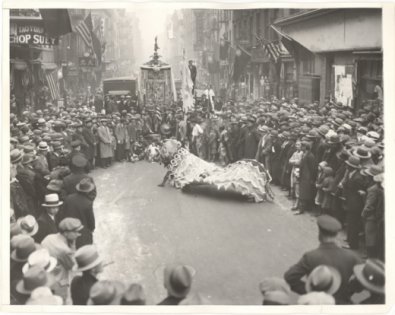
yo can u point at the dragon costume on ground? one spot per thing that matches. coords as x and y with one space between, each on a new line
247 178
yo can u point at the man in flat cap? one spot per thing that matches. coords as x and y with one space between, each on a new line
328 253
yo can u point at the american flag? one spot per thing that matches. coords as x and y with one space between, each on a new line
84 28
274 50
52 80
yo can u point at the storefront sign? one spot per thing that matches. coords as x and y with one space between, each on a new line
30 32
87 62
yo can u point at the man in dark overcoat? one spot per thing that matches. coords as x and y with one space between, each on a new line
308 174
328 253
353 190
79 205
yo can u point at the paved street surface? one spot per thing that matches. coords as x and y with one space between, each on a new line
232 245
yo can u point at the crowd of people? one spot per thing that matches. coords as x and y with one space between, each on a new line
326 158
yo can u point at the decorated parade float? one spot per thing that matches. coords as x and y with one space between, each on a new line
157 86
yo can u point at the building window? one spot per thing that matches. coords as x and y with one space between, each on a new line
307 66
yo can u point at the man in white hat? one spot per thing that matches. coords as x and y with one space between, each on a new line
41 165
47 222
90 264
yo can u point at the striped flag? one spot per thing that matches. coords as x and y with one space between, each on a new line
84 28
273 49
52 81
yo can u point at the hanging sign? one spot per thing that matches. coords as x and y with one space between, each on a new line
30 32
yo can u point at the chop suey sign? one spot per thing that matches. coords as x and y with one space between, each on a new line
30 32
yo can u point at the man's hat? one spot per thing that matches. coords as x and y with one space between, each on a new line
28 225
329 224
334 139
43 296
28 158
56 145
276 297
274 284
87 257
324 279
70 225
42 259
379 178
52 200
16 238
354 162
55 185
165 129
195 299
24 247
372 170
16 156
43 146
85 185
75 143
371 275
106 293
35 277
361 153
29 148
134 295
178 280
79 161
15 229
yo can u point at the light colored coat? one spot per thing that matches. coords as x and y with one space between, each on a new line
105 142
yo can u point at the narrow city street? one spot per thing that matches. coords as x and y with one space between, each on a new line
231 245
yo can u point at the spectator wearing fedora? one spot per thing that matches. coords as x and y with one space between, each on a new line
23 246
265 145
178 282
328 253
308 174
90 264
134 295
354 188
35 277
55 186
275 291
28 179
370 276
79 205
41 165
78 172
334 146
106 293
373 217
90 139
47 221
19 200
62 246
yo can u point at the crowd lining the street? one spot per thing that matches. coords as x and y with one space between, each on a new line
326 158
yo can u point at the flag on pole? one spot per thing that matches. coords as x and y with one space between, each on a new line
56 21
97 48
84 28
273 49
186 85
52 81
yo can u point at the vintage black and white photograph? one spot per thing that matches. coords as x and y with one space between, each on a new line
196 156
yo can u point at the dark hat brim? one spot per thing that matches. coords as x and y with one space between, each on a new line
358 272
